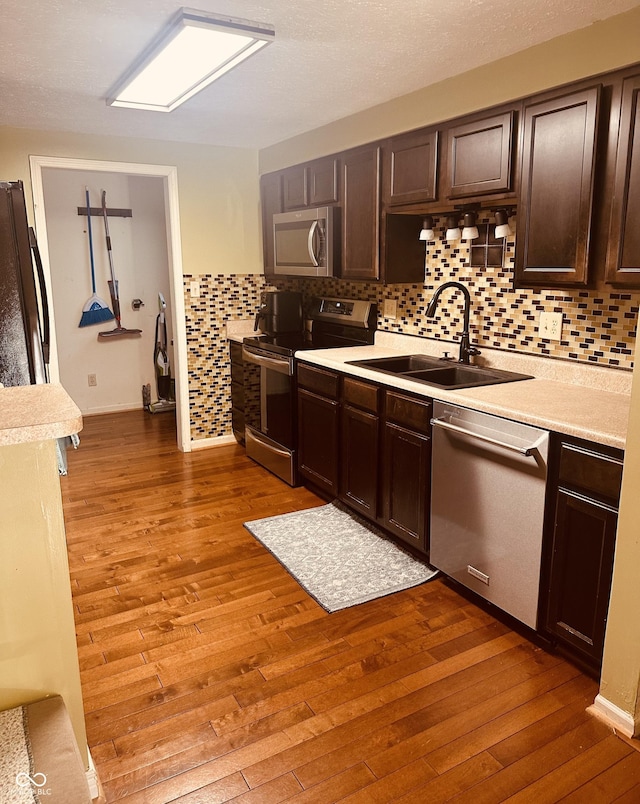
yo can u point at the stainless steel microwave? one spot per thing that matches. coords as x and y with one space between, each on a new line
306 242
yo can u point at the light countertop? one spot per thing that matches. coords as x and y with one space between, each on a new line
586 412
239 330
37 413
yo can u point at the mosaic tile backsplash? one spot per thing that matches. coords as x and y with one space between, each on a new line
222 298
597 327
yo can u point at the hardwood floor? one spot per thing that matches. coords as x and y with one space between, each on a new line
209 675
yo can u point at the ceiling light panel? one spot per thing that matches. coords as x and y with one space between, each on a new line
195 50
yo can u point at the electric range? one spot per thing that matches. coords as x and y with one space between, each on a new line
269 377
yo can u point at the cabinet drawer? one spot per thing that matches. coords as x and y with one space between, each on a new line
591 471
360 394
318 380
412 413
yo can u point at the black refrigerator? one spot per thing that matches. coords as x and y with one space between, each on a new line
24 315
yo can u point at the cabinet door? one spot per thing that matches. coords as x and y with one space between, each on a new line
623 252
318 440
271 197
480 157
581 569
294 187
361 213
322 181
556 191
411 168
359 466
405 484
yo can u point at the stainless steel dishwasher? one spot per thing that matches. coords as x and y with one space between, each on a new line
487 506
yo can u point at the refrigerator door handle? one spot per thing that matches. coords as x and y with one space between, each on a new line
46 334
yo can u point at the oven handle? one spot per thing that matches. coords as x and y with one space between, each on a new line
526 451
282 451
281 365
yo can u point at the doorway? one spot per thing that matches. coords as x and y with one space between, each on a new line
121 362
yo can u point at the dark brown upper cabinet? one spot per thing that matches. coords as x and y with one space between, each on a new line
623 250
556 190
272 202
323 181
294 187
411 168
312 184
480 157
361 213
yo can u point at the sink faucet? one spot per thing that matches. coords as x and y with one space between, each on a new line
466 350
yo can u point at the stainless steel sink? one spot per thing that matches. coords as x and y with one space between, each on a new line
434 371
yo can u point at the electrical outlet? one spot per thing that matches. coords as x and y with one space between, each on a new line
92 380
390 308
550 326
194 289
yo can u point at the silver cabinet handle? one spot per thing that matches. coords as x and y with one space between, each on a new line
312 254
527 451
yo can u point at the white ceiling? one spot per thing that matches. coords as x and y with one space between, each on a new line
331 58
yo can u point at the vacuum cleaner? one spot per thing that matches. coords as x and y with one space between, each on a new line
165 403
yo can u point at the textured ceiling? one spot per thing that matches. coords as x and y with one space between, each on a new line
330 59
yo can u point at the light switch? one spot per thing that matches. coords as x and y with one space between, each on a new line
194 289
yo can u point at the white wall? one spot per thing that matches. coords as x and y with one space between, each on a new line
139 248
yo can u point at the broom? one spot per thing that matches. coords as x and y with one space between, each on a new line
95 310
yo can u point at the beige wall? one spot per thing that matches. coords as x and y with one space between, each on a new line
598 48
218 190
38 654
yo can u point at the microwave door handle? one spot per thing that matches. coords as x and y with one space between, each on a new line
312 254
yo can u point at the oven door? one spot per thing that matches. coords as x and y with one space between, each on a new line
269 410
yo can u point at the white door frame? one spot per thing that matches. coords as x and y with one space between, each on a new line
169 175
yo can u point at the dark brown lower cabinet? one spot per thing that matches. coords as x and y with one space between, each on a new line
369 446
405 484
318 423
406 472
359 454
579 558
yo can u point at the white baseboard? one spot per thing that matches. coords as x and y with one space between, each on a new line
218 441
124 408
614 716
93 781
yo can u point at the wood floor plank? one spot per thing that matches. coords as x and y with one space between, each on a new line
209 675
392 787
457 783
608 786
575 773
